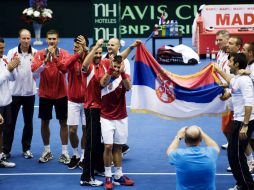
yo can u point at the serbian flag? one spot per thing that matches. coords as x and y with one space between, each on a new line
161 92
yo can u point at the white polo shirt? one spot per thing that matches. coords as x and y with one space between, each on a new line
5 77
242 95
24 84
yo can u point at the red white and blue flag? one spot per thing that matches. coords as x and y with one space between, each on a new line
159 91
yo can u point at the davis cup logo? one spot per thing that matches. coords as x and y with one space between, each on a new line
165 90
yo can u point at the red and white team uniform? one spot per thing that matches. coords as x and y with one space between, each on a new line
76 91
222 60
52 79
114 119
92 80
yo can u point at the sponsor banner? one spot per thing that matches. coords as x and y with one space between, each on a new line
136 18
106 20
229 16
139 18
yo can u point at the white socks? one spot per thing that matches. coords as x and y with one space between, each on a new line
64 149
108 172
75 152
118 172
47 148
82 154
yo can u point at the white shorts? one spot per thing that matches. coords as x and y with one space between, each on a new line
76 113
114 131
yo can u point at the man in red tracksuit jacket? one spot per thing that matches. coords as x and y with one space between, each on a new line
48 64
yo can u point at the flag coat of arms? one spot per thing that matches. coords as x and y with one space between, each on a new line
161 92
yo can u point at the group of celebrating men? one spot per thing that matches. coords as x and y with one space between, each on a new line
94 95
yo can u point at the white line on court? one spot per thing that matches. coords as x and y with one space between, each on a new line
126 106
53 174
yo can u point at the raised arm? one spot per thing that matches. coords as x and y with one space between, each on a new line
224 75
127 51
209 141
125 78
90 55
107 76
175 143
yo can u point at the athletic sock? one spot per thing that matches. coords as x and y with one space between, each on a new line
118 172
47 148
82 154
64 149
108 172
75 152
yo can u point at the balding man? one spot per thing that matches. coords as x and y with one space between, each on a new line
23 91
195 165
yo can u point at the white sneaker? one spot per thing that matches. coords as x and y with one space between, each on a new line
229 169
28 154
224 146
65 158
6 164
45 157
92 182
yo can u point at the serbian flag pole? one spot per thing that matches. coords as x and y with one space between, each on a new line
156 90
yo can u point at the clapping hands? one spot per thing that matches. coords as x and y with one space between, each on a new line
13 63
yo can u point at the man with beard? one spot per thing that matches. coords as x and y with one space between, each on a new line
114 121
94 68
93 158
242 125
113 48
